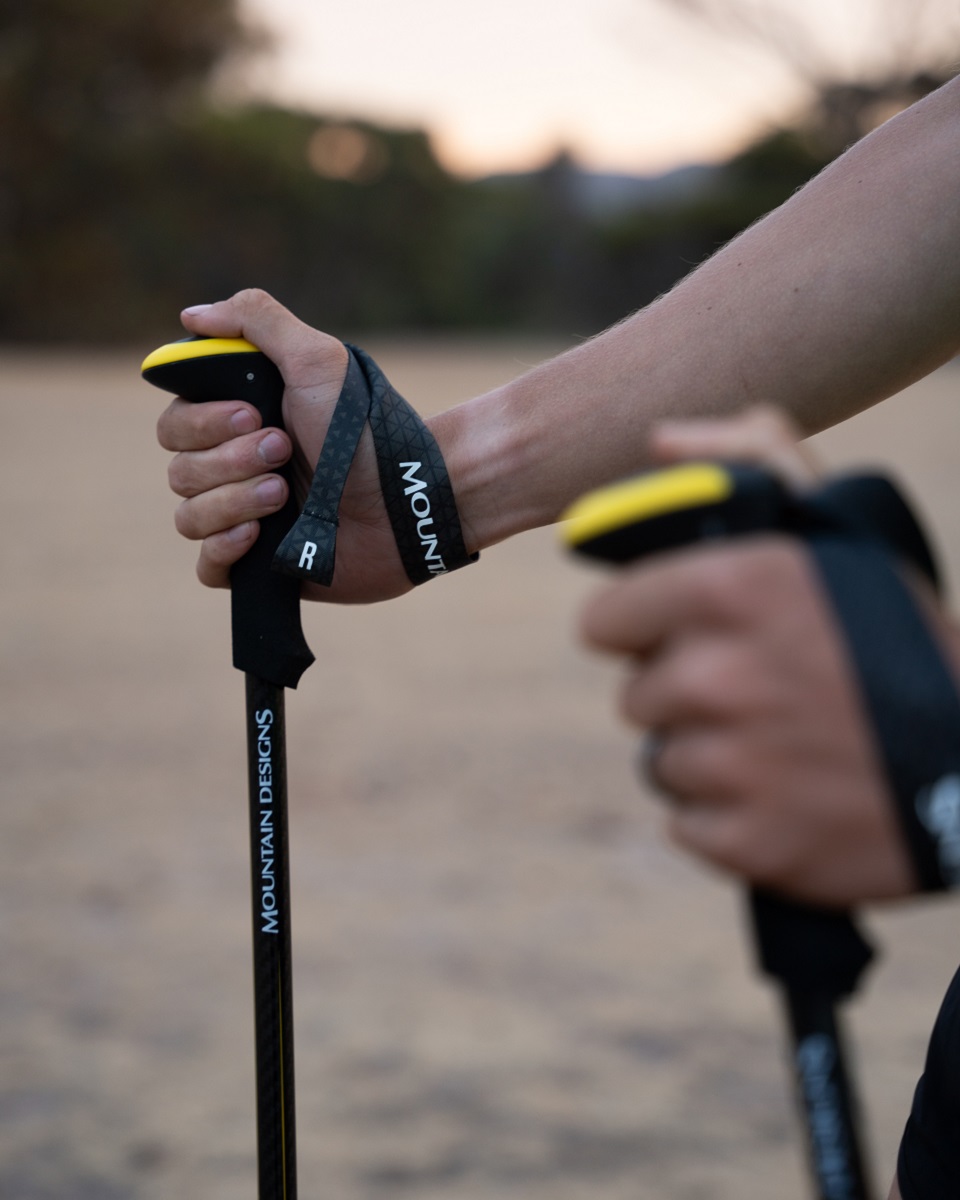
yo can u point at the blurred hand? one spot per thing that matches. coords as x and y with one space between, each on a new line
225 462
763 435
736 666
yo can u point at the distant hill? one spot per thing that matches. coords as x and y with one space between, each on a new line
602 195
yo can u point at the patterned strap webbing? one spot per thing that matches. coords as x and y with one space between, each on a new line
416 488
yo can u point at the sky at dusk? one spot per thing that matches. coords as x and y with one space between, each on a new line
625 84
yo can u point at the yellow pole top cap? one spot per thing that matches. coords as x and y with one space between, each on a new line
643 497
187 348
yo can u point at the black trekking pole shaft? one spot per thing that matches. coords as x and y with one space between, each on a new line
816 957
826 1093
255 595
270 649
272 971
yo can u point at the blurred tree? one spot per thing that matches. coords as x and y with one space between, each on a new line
83 85
857 64
126 191
903 52
113 66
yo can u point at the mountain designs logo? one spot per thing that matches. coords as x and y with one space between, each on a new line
420 507
265 775
938 808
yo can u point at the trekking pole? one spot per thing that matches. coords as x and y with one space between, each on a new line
816 955
269 647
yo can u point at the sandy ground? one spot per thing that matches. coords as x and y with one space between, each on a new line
506 984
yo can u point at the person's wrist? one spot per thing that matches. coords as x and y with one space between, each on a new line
488 460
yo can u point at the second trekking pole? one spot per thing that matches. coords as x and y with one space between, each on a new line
858 531
817 956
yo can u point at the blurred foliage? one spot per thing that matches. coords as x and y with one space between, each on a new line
126 193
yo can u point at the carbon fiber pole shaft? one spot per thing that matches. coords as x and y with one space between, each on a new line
272 974
816 956
270 649
826 1095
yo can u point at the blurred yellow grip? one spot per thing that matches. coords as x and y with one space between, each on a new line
651 495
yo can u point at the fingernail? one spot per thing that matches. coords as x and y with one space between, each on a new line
243 421
195 309
273 449
240 533
270 491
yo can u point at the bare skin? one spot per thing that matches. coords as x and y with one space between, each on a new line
735 661
842 296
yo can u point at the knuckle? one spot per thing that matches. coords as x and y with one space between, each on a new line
723 584
239 460
167 427
162 434
221 550
741 581
177 477
233 459
185 521
211 575
700 682
725 770
765 861
593 622
715 841
767 569
253 299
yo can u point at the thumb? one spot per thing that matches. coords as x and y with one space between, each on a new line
763 435
305 356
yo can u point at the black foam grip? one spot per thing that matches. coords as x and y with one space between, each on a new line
268 638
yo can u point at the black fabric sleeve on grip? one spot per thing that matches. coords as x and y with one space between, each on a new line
909 694
416 488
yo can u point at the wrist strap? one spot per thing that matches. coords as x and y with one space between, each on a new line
856 529
415 483
413 476
910 697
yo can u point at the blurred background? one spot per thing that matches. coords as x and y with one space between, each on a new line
416 166
508 985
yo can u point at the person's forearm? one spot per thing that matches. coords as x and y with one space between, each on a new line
842 296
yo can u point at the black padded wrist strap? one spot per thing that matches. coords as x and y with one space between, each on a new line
416 488
906 686
910 697
309 549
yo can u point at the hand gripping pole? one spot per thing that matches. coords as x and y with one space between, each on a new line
269 647
857 529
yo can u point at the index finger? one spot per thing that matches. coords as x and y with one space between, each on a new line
186 426
705 586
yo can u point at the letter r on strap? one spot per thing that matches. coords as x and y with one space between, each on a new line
307 555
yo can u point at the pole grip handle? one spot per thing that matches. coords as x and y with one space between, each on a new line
268 638
804 947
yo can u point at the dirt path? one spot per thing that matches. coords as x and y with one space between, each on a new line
506 984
